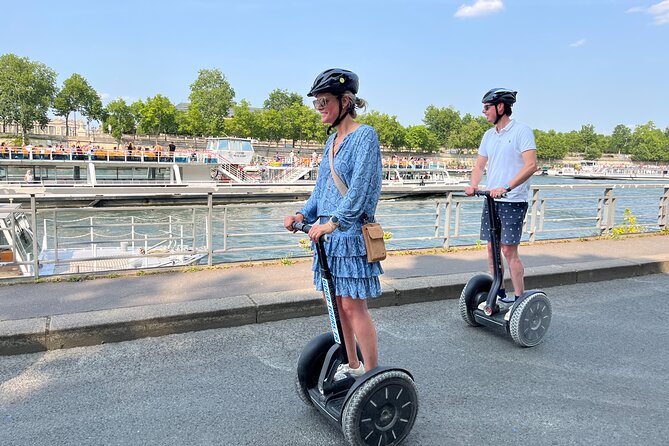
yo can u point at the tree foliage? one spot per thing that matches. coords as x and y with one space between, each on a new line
390 131
158 115
77 96
118 119
211 98
27 90
419 137
282 99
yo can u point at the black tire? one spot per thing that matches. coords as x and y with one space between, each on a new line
530 321
475 291
381 411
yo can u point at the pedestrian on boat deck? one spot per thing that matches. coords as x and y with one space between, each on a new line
28 177
510 153
357 163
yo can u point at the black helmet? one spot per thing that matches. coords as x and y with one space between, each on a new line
497 95
335 81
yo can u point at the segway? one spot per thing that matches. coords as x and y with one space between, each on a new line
377 408
526 320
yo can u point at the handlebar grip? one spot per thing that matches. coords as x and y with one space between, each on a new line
301 226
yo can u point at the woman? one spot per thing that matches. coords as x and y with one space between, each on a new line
357 163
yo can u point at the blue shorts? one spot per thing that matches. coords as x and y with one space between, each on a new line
510 217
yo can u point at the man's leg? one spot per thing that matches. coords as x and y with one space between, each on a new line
516 268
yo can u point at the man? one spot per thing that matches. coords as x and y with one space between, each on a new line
510 153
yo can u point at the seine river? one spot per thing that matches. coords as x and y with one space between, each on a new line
254 231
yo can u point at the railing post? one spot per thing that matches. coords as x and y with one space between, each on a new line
663 211
33 210
210 229
605 211
447 220
534 207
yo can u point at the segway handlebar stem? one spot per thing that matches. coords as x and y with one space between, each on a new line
498 275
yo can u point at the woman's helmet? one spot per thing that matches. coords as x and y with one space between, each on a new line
335 81
497 95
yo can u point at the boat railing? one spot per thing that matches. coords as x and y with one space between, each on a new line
228 233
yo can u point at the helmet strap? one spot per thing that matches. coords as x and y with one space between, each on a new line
340 116
497 115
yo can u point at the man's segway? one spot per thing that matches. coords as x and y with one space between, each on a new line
527 320
377 408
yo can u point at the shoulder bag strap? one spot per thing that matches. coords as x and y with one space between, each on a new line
338 182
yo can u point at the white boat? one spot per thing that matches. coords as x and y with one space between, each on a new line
625 172
16 249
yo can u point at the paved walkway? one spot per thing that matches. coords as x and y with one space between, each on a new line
51 315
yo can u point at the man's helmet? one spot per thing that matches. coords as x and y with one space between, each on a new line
335 81
497 95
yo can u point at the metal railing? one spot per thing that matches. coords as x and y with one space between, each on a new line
243 232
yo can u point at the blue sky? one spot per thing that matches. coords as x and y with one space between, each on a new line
573 62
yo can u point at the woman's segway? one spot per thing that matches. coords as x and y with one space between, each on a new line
377 408
527 320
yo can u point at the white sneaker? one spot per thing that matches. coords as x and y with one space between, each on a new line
344 370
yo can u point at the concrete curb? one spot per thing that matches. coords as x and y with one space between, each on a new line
123 324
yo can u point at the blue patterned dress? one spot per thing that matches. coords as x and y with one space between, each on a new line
358 165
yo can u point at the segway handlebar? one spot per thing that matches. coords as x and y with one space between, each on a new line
485 193
301 226
306 228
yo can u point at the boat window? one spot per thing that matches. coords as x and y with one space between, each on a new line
223 144
211 145
246 146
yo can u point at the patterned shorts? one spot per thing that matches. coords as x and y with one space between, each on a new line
510 217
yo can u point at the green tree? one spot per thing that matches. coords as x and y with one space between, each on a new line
550 144
442 122
420 137
211 98
118 119
243 122
620 139
158 116
282 99
390 131
27 90
136 111
76 96
649 143
469 135
269 125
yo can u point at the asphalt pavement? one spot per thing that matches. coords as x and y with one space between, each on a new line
54 315
599 378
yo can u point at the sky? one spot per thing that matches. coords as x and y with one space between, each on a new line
573 62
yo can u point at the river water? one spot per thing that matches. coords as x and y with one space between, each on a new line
245 232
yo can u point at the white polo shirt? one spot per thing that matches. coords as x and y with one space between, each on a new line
504 152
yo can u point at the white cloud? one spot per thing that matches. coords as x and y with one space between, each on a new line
578 43
659 11
480 7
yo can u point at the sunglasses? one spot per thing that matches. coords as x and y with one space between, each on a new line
321 103
487 106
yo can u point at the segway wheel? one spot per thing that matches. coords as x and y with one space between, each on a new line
474 292
530 321
310 363
381 411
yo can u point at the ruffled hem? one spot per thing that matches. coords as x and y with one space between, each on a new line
369 287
